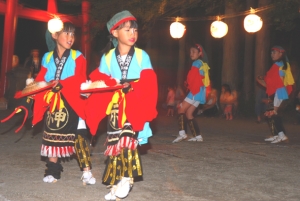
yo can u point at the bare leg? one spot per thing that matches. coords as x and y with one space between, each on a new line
53 159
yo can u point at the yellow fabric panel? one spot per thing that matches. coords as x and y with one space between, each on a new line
288 78
108 58
138 52
51 96
205 68
49 56
73 54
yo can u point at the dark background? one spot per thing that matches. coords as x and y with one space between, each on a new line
164 49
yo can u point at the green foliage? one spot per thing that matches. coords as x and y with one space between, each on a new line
146 11
285 13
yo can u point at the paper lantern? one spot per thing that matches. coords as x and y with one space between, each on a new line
55 25
252 23
218 29
177 30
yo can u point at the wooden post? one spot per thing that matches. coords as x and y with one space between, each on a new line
181 57
52 6
10 25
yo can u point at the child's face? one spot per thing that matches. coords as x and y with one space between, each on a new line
64 39
35 53
275 55
126 35
194 53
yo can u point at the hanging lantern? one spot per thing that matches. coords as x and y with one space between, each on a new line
218 29
252 23
55 25
177 30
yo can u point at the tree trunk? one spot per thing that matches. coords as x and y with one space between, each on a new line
181 58
262 44
248 61
231 48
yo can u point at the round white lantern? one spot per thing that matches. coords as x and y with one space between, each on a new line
252 23
218 29
55 25
177 30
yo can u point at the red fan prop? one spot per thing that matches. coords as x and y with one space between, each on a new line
103 89
35 89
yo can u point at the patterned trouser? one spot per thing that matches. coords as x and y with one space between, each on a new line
126 164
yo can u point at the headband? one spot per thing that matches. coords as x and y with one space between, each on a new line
278 49
198 47
118 19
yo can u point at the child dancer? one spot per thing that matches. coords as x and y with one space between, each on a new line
227 100
279 81
129 109
198 81
170 101
64 127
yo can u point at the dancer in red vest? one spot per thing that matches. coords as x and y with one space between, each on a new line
279 81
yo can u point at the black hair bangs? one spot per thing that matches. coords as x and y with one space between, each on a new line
68 27
133 24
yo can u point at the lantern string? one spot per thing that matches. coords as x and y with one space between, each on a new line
219 17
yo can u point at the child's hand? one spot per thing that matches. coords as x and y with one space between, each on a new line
260 77
55 82
126 84
57 86
86 94
126 88
266 100
85 85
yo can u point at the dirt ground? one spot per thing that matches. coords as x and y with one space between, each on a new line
232 164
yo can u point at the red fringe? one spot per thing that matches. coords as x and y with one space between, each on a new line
52 151
124 142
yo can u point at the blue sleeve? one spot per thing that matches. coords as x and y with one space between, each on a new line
198 63
103 68
44 60
50 69
146 63
281 73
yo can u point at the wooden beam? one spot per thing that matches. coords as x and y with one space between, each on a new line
10 26
41 15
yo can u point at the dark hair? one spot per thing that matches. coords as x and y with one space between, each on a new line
108 47
171 86
133 24
283 57
197 46
68 27
226 87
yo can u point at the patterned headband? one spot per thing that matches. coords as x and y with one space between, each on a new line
278 49
198 47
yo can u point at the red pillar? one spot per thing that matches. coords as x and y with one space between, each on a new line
52 6
10 25
85 40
